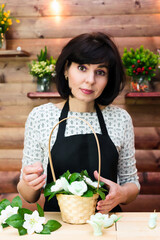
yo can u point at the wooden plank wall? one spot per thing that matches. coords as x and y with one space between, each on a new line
131 24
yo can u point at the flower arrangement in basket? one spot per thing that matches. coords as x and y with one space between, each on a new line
5 23
43 70
76 193
140 64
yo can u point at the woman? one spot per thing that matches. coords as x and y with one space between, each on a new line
89 76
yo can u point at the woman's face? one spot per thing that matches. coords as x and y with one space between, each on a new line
87 81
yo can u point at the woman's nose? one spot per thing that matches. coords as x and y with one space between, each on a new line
90 78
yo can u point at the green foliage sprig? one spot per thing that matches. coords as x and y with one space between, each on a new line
140 62
24 219
75 184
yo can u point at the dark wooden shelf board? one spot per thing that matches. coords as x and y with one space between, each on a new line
43 94
14 53
142 94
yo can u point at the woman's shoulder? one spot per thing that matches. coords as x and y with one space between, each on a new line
44 110
115 111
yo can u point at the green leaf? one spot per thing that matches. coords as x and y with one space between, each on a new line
84 173
89 193
40 210
3 204
22 211
22 231
15 221
52 195
66 174
16 202
47 190
4 225
53 225
102 195
74 177
45 230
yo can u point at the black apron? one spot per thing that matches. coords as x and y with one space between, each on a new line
79 152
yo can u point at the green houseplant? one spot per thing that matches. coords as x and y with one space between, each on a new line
43 70
140 64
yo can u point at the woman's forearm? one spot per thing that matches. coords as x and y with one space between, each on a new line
130 191
30 195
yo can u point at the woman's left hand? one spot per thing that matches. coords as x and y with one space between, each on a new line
115 196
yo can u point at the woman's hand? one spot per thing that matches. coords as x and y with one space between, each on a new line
115 196
33 176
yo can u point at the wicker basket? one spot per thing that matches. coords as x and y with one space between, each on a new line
76 209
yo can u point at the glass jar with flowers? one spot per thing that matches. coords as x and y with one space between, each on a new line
5 23
44 71
140 64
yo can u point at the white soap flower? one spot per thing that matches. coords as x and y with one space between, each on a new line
8 212
78 188
57 187
97 218
33 222
90 182
64 183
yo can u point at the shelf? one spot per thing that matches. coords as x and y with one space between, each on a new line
43 94
13 53
142 94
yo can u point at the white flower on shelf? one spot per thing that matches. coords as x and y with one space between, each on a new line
90 182
8 212
33 222
78 188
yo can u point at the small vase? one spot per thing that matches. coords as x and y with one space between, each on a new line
139 84
43 84
2 41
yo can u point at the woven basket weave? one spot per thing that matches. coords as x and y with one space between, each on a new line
76 209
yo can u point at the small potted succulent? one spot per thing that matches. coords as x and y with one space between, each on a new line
77 195
43 70
140 64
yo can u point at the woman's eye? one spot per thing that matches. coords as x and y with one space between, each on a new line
82 68
101 72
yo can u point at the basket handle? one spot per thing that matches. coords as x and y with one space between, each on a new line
97 141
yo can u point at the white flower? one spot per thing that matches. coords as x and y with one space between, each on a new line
8 212
57 187
64 183
78 188
97 218
33 222
90 182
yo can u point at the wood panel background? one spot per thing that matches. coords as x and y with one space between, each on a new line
130 23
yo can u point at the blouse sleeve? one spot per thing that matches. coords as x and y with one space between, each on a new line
127 171
32 151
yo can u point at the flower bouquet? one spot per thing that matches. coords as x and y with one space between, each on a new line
5 23
80 191
44 70
26 221
140 64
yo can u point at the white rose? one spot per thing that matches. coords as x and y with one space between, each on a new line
78 188
57 187
90 182
64 183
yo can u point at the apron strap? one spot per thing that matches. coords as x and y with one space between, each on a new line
64 114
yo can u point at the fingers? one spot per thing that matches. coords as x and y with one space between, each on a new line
33 177
106 181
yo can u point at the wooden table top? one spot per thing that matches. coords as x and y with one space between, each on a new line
132 226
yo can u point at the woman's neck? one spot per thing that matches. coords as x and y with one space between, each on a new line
76 105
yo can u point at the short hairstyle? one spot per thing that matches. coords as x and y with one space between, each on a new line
92 48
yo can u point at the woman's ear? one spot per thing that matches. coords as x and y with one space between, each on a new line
66 70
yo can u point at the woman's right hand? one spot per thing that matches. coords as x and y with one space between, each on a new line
33 176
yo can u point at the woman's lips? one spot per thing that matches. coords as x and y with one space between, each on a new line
86 91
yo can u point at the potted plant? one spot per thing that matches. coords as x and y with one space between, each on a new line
5 23
140 64
77 195
44 70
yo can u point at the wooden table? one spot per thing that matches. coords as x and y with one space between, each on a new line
132 226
